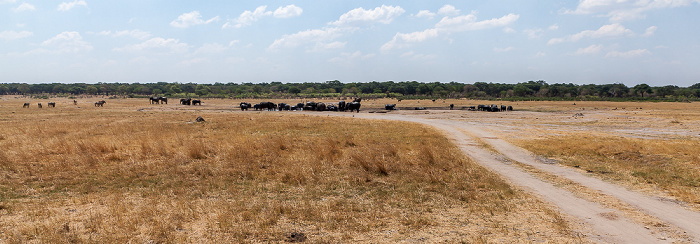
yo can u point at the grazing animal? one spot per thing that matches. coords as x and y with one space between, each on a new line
357 100
332 107
353 106
503 107
310 106
509 108
39 105
300 106
186 101
163 100
269 106
52 105
26 105
154 100
320 107
494 108
282 106
390 106
245 106
75 102
452 106
341 106
195 102
100 103
419 108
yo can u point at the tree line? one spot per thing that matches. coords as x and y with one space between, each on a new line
530 90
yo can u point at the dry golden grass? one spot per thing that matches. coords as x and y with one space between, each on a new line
134 172
648 146
671 165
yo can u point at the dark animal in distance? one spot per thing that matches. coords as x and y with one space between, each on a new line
200 119
245 106
357 100
163 100
26 105
75 102
195 102
100 103
452 106
52 105
341 106
154 100
39 105
186 101
353 106
390 106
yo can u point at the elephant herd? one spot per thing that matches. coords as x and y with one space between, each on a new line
308 106
190 101
492 108
53 104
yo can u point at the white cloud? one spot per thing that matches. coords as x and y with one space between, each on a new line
533 33
157 43
248 17
189 19
327 46
650 31
350 57
307 36
469 23
417 56
553 27
592 49
65 6
384 14
67 42
448 25
425 14
287 11
448 10
136 34
624 10
24 7
629 54
211 48
14 35
502 50
611 30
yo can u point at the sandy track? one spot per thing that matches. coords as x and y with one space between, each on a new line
608 224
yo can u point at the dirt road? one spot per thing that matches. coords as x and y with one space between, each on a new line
607 224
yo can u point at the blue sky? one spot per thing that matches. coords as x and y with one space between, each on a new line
583 42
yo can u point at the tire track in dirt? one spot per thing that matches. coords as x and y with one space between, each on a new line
608 224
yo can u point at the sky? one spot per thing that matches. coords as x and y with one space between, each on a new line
656 42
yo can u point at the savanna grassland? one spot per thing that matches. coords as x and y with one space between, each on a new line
647 146
135 172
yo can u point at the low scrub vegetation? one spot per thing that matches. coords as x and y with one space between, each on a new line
116 174
672 165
